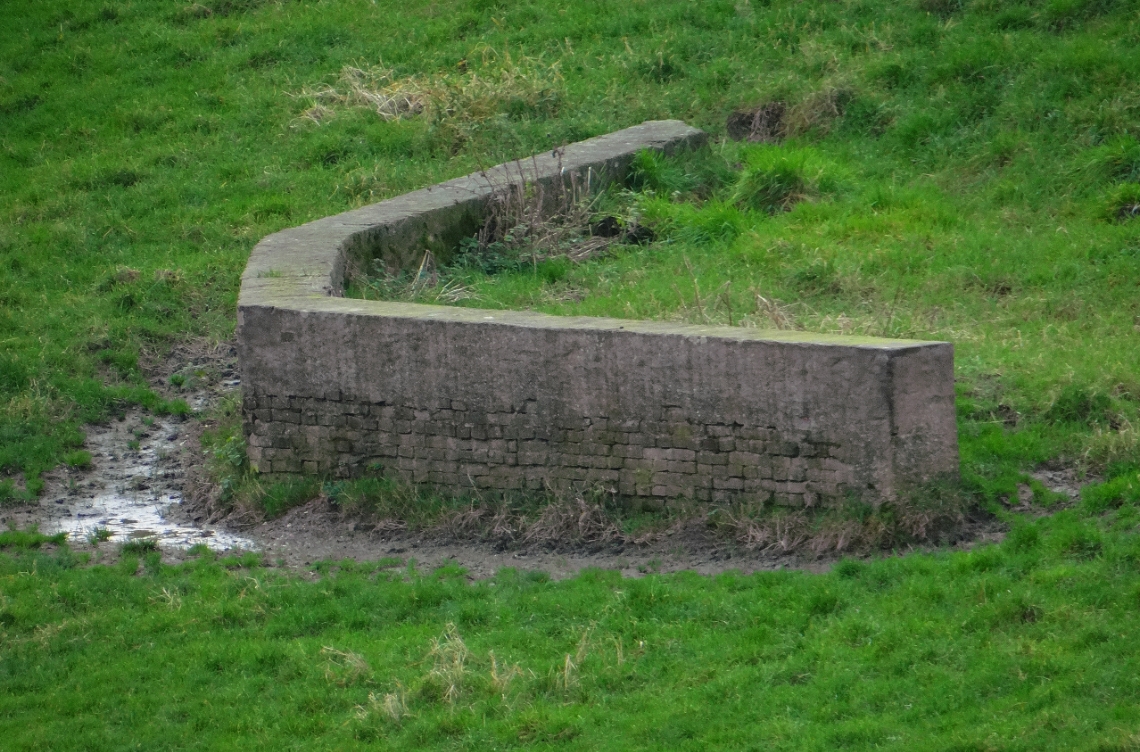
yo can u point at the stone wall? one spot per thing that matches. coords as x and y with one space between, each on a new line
472 399
449 444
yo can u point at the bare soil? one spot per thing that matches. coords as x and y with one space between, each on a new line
317 531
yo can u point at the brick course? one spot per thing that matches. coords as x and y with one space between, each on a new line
452 447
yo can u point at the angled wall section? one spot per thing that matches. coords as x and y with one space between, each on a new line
465 398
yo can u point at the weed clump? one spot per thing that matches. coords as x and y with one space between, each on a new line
775 179
531 224
936 515
773 187
544 230
139 547
537 519
1120 490
234 487
9 494
694 174
1123 202
1080 406
79 459
1119 159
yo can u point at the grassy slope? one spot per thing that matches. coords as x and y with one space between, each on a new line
1027 646
980 150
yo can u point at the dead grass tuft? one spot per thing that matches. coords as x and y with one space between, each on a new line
344 667
1109 445
562 521
462 680
168 276
574 520
471 522
844 530
933 515
773 312
449 655
503 675
501 85
391 705
817 111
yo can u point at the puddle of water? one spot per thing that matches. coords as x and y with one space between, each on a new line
126 516
133 484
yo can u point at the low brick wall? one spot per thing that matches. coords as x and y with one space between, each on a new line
466 398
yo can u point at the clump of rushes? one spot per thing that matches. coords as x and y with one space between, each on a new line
30 538
775 179
79 459
1123 203
139 547
690 174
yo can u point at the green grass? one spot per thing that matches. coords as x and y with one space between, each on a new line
958 169
29 539
1028 645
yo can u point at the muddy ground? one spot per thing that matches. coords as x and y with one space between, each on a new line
147 480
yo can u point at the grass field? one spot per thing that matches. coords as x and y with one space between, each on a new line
1026 646
965 170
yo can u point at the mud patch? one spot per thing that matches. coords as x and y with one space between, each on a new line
135 484
763 124
317 531
1064 481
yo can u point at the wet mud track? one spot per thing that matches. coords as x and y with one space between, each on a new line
132 490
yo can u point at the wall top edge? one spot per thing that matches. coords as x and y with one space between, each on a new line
314 247
292 270
315 304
